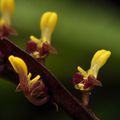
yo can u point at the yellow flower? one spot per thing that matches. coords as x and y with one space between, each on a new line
39 48
21 69
47 25
7 9
34 89
85 80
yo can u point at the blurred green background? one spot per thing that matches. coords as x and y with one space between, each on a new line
83 28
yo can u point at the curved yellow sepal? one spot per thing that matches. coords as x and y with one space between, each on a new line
18 64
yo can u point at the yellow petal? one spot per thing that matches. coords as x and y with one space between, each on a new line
44 19
52 21
47 23
18 64
7 6
99 59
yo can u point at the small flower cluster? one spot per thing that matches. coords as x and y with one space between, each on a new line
34 88
40 48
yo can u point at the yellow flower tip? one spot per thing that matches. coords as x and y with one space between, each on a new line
83 72
34 39
100 57
18 64
48 22
98 60
7 6
97 55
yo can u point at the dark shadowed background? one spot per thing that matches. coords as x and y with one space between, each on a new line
82 29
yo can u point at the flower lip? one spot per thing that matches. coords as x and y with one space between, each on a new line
85 84
91 82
